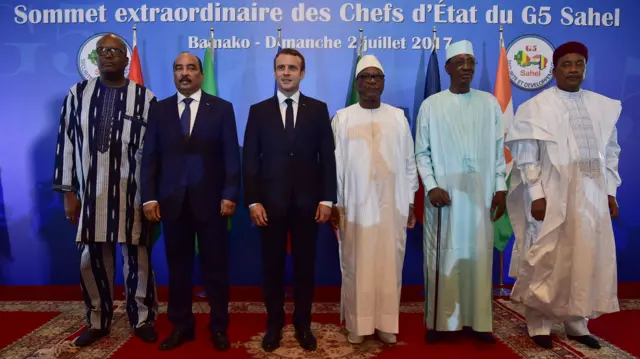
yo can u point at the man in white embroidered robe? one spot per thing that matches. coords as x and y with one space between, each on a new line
377 181
460 158
561 201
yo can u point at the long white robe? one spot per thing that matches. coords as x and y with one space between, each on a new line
565 265
377 181
459 148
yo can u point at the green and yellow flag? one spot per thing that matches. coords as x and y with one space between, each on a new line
354 96
210 86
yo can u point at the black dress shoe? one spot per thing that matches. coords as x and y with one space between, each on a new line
431 336
176 339
220 341
587 340
90 336
146 333
271 340
484 337
543 341
306 339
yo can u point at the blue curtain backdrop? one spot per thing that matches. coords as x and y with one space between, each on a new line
41 55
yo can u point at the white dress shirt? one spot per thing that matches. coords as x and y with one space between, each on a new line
283 112
283 107
193 106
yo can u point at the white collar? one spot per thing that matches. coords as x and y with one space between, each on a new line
295 97
196 96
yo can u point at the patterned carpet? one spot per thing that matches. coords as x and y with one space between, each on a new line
52 335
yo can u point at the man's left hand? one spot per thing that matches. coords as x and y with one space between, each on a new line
411 221
322 213
227 207
613 207
498 205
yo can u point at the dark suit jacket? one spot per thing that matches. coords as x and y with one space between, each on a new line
282 175
208 164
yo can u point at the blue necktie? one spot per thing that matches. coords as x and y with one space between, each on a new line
185 119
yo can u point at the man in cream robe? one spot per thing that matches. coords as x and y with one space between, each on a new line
460 158
377 181
562 195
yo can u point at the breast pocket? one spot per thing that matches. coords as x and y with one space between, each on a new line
133 129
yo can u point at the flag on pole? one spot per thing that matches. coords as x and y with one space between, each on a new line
431 87
278 42
135 75
135 70
503 231
209 83
210 86
354 96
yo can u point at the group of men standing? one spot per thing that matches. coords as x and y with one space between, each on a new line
126 161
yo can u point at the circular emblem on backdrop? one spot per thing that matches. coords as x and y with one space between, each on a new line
88 56
530 60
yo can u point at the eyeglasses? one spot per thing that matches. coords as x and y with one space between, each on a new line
471 61
102 51
367 77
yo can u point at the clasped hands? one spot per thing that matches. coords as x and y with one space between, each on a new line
152 210
440 198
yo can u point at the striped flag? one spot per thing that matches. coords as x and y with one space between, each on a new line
135 75
278 41
354 96
502 91
135 70
210 86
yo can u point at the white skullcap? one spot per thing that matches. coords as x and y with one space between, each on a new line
460 47
368 61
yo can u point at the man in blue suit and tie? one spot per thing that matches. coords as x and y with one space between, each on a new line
190 181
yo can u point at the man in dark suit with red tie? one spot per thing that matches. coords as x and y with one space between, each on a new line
190 181
289 173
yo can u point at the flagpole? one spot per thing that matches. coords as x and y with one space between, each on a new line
435 47
501 283
279 40
211 44
360 47
135 40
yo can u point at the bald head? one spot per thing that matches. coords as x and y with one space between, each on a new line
113 40
112 56
187 73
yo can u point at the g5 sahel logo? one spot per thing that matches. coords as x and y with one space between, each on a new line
529 62
88 57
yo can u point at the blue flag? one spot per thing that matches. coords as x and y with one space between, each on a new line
432 83
275 89
431 86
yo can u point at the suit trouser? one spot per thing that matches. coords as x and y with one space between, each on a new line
304 230
97 269
179 240
539 324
